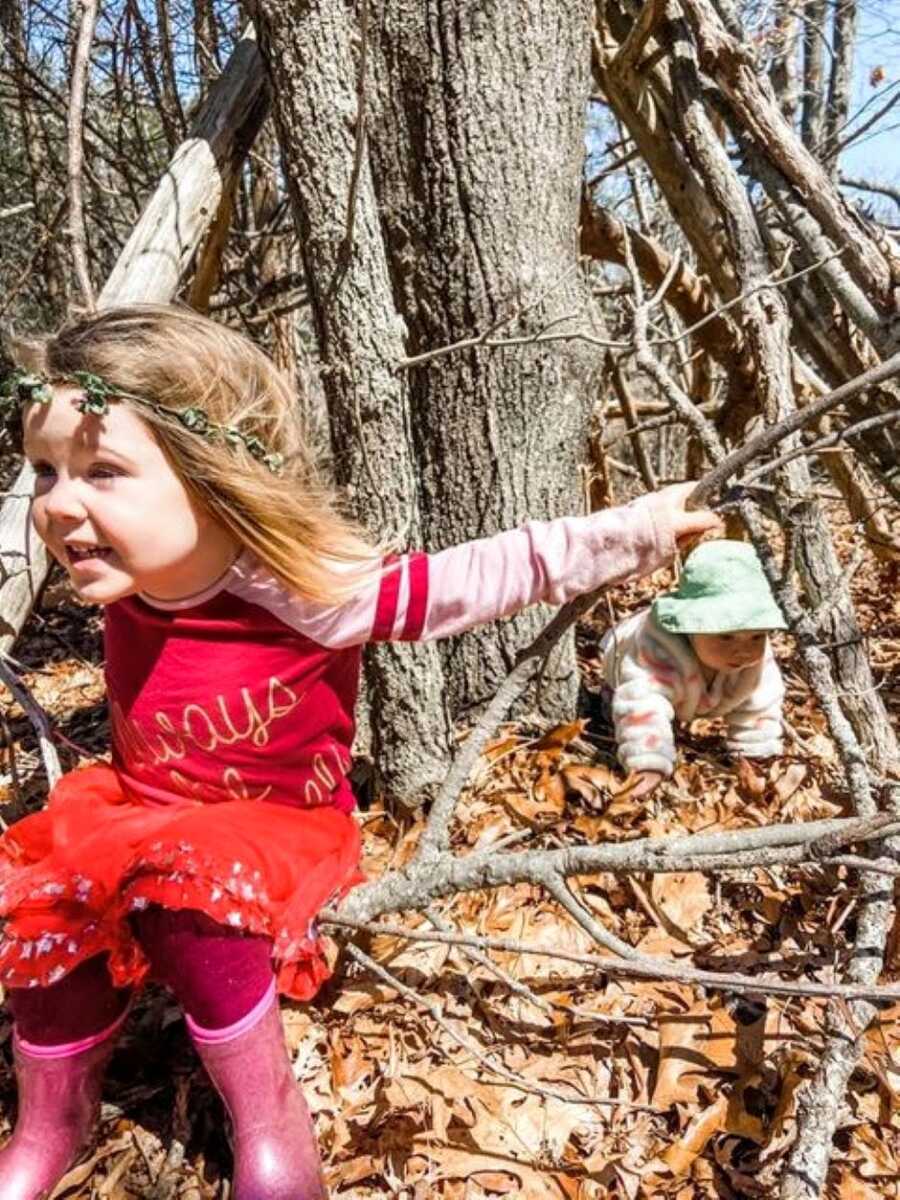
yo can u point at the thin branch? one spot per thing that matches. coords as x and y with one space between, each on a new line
38 718
640 967
825 443
475 954
870 185
16 210
495 1068
77 230
772 280
730 464
838 148
487 341
417 360
561 891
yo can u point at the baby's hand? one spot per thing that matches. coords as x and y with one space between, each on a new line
640 783
686 524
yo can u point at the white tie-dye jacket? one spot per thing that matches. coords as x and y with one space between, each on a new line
655 678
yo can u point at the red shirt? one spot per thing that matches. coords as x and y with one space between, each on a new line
246 691
223 701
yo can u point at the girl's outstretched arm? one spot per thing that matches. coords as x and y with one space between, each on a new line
439 595
424 596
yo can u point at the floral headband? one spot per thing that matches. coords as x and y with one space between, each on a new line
27 387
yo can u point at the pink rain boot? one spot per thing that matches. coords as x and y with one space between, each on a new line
276 1156
59 1097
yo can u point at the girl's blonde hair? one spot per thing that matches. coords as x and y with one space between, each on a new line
175 357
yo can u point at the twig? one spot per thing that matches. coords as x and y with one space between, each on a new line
417 360
495 1068
639 967
841 146
647 426
521 990
38 718
78 90
561 891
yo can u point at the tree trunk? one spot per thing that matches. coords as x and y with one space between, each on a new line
478 147
307 48
465 212
840 82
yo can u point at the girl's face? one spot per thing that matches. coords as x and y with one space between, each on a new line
730 651
112 510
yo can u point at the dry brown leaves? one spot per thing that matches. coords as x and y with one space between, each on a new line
705 1088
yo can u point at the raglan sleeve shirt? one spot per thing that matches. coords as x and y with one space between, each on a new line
420 597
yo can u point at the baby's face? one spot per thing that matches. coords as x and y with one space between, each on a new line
112 510
730 651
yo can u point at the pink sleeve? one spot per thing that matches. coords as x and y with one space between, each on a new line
425 596
550 561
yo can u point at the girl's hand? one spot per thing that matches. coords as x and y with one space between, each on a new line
687 524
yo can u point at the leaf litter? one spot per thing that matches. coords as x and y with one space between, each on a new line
705 1086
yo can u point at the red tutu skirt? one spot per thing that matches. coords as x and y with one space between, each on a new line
71 874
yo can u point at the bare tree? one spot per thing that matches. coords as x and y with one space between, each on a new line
704 295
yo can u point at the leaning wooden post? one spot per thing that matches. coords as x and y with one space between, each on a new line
150 268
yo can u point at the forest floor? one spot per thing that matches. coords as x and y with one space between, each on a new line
685 1095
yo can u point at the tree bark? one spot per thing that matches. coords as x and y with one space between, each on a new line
308 53
477 145
464 212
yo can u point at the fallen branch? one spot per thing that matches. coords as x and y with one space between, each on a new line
495 1068
436 873
640 967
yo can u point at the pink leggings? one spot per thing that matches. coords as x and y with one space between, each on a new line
217 975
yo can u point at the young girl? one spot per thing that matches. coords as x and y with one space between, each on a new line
174 486
702 651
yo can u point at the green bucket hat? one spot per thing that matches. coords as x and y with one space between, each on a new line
722 589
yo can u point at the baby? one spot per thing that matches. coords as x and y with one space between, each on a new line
701 651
